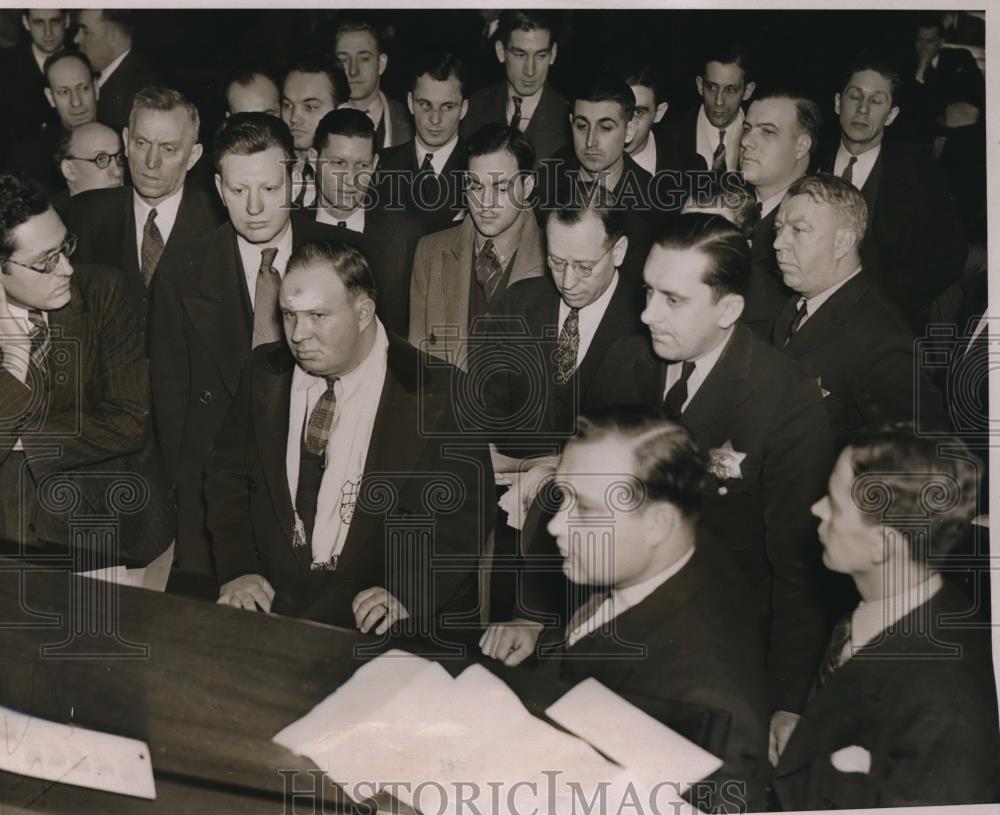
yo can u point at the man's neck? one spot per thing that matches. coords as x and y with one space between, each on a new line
638 146
668 554
890 579
366 102
842 270
337 213
858 148
764 192
512 91
155 202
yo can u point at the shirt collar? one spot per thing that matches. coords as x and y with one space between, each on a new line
872 617
282 242
40 57
20 315
439 155
355 221
646 158
166 211
633 595
813 303
770 204
110 67
505 243
862 166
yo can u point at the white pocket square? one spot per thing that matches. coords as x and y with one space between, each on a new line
853 759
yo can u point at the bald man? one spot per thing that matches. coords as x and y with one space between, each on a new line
91 158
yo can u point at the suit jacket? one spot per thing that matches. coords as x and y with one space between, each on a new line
768 293
921 700
396 182
24 94
412 483
548 129
765 407
957 78
689 655
860 349
679 137
543 413
201 328
34 154
401 127
115 100
104 222
915 246
96 411
441 284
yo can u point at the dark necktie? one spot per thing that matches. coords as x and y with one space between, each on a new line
586 611
152 248
834 653
427 165
430 185
674 401
488 270
266 327
719 156
321 419
308 174
515 119
848 174
568 347
800 315
40 343
342 224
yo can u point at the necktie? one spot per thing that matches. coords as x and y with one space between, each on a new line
321 420
586 611
719 156
848 174
488 270
266 327
515 120
567 347
40 344
800 315
342 224
152 248
430 185
674 401
308 174
833 658
427 165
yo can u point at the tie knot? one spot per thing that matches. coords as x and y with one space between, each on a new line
687 368
331 381
488 251
428 162
151 217
517 103
308 172
722 135
802 307
37 319
267 257
342 224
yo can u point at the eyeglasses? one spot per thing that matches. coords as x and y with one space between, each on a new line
584 268
102 160
66 249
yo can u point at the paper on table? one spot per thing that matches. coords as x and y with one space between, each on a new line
634 739
153 576
71 755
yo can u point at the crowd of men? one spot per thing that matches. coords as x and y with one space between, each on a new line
649 396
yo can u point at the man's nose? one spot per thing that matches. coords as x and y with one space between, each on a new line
255 204
719 98
530 68
153 158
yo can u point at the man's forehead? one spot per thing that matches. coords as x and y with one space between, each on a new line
45 14
496 167
778 111
354 147
724 72
94 141
68 69
300 84
427 86
39 234
538 39
357 42
870 81
168 124
595 111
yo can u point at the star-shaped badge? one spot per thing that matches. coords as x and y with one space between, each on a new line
724 462
823 391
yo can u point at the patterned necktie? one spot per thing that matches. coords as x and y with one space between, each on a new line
266 326
834 656
38 334
674 401
800 315
567 347
848 174
321 419
308 174
152 248
515 120
719 156
488 269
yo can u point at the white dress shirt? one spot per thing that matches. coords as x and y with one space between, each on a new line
17 363
166 215
862 167
439 155
110 68
528 106
768 205
589 318
646 158
813 303
702 368
707 139
250 257
355 221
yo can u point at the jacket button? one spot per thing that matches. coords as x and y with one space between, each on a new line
205 397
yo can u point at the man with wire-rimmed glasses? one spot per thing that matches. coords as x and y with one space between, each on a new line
89 158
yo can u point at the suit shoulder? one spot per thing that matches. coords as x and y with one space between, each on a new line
94 204
773 368
394 158
439 239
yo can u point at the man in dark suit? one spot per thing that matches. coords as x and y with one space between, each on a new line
90 157
904 712
666 624
251 89
761 421
209 313
334 440
526 46
105 37
358 46
840 328
72 376
345 150
425 176
780 134
157 220
647 148
915 245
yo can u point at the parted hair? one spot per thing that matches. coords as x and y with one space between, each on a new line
611 218
244 134
21 198
155 97
343 122
345 260
833 191
720 241
606 86
526 20
316 62
807 113
440 66
66 53
497 136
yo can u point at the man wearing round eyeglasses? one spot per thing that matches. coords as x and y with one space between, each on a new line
71 376
91 158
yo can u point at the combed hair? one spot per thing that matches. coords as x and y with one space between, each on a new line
900 476
345 260
244 75
642 73
720 241
879 63
21 198
440 66
734 199
605 86
316 62
66 53
353 24
62 148
526 20
611 218
497 136
668 464
807 113
244 134
727 53
833 191
929 19
165 99
126 19
343 122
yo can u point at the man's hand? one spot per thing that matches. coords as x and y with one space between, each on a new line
782 725
375 604
511 642
247 592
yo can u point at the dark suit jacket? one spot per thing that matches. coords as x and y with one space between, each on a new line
767 408
916 246
26 110
548 129
200 332
957 78
925 712
411 482
396 184
104 222
96 411
115 100
861 350
679 139
768 293
688 650
402 127
33 155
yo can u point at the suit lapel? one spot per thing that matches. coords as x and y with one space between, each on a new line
130 247
822 327
762 247
71 323
528 260
726 386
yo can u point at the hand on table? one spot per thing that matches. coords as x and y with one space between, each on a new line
511 642
247 592
376 604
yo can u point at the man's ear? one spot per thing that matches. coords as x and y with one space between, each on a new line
661 520
383 63
836 103
554 52
365 309
803 144
464 109
700 84
528 181
218 187
97 89
409 101
661 110
501 51
125 140
844 240
196 152
892 115
24 21
67 169
748 90
630 128
50 97
618 253
732 307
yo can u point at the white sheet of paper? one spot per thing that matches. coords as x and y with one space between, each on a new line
650 750
72 755
153 576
